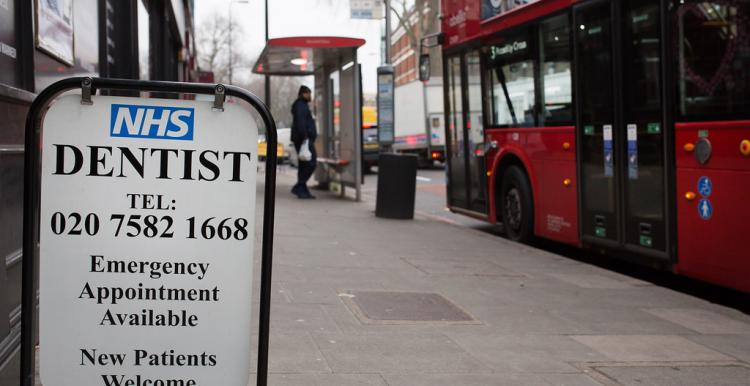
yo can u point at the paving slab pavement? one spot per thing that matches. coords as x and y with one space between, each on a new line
539 318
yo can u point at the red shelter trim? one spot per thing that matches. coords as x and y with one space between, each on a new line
317 42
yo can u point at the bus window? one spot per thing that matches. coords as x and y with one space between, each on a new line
556 87
713 47
511 88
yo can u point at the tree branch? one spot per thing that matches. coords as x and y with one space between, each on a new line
404 20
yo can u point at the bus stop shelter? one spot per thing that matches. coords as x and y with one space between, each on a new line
337 100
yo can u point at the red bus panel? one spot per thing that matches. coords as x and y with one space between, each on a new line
548 155
462 19
712 217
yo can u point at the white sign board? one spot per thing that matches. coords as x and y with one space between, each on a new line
146 240
385 108
367 9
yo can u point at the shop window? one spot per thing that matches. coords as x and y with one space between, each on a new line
144 46
51 66
9 51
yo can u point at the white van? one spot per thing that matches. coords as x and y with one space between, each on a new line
285 140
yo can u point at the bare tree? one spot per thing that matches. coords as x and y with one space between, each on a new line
213 38
417 18
284 91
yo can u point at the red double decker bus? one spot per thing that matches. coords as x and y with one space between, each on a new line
620 125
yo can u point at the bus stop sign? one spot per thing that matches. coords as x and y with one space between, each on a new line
385 105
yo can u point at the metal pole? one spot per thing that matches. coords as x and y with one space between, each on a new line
358 126
265 292
266 20
267 84
389 146
426 120
387 31
267 91
230 42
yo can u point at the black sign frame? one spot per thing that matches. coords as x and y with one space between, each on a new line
32 184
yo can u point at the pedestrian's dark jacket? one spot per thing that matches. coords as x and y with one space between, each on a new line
303 124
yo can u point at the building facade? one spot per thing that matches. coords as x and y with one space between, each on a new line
405 41
418 117
42 41
404 57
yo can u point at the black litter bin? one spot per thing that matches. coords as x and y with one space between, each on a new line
397 185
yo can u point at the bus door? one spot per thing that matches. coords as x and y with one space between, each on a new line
620 125
467 187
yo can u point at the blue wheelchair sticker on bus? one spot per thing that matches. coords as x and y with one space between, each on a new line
705 186
705 209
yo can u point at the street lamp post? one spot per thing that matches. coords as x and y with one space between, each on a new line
265 298
386 105
267 83
231 32
263 335
387 32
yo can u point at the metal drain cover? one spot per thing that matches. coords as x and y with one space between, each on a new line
403 307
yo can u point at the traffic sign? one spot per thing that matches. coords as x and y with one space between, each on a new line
146 225
705 186
705 209
385 105
366 9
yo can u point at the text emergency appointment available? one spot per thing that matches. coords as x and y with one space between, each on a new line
146 242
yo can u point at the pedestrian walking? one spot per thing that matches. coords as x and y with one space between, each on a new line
304 134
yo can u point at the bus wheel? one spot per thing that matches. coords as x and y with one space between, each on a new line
516 206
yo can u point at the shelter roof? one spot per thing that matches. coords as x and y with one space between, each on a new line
300 55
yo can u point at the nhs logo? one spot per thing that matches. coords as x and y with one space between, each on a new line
157 122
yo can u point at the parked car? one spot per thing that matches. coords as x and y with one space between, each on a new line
370 147
263 150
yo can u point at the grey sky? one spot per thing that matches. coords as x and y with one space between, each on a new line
299 18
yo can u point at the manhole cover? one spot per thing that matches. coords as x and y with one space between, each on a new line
403 307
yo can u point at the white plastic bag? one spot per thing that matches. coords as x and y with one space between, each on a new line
304 152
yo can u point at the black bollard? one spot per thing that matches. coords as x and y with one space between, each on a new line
397 185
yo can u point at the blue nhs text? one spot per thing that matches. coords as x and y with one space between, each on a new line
157 122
